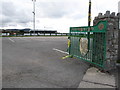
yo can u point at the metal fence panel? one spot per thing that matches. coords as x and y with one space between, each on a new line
89 47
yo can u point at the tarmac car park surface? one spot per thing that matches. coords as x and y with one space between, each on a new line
31 62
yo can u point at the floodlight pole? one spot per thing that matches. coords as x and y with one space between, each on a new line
34 15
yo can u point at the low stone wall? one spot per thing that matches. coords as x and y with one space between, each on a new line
119 40
112 38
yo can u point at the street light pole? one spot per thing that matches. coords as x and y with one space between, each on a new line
34 15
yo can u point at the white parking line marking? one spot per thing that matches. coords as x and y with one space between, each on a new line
60 51
11 40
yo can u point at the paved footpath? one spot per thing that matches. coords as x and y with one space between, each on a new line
96 79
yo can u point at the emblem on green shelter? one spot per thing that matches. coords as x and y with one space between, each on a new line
101 26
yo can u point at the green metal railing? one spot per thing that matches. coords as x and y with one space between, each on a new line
91 48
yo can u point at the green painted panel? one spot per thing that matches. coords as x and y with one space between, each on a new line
90 48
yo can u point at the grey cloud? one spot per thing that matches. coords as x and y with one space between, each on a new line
56 9
52 9
8 9
14 14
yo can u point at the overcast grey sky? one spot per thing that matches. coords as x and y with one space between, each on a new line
51 14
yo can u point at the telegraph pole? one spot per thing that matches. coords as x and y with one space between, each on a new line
89 13
89 22
34 15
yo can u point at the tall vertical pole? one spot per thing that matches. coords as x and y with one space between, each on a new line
89 13
34 15
89 22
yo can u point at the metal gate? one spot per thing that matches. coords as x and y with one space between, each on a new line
89 43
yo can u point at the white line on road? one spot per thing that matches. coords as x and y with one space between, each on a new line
11 40
60 51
